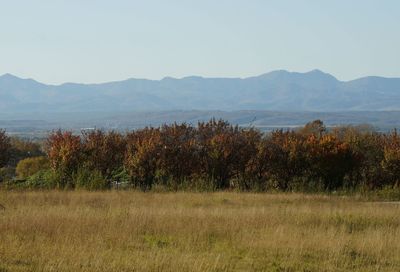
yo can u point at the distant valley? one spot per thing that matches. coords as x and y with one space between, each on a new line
37 125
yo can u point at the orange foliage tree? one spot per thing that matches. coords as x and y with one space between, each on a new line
142 156
65 154
218 154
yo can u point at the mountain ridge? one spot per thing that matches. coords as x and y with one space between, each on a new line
10 75
277 90
314 71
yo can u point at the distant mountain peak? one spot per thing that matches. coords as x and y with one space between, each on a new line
11 80
316 71
9 76
285 75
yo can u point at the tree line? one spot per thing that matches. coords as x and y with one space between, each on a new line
213 155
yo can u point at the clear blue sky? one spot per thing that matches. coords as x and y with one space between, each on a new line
57 41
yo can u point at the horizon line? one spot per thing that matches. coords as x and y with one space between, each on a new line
195 76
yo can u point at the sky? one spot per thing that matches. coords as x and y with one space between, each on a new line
89 41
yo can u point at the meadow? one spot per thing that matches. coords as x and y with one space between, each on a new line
221 231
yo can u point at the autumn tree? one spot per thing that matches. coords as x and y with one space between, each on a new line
368 147
5 148
330 160
142 156
391 158
178 157
268 163
103 151
65 154
247 145
224 151
294 149
316 128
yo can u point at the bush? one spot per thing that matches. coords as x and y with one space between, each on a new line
90 180
28 167
43 179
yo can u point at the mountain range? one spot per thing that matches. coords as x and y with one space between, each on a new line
275 91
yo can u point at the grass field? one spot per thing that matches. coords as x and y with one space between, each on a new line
133 231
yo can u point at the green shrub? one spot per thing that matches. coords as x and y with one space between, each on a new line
121 175
387 193
30 166
90 180
43 179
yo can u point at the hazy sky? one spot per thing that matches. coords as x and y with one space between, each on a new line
57 41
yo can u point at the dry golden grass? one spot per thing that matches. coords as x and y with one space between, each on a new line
133 231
